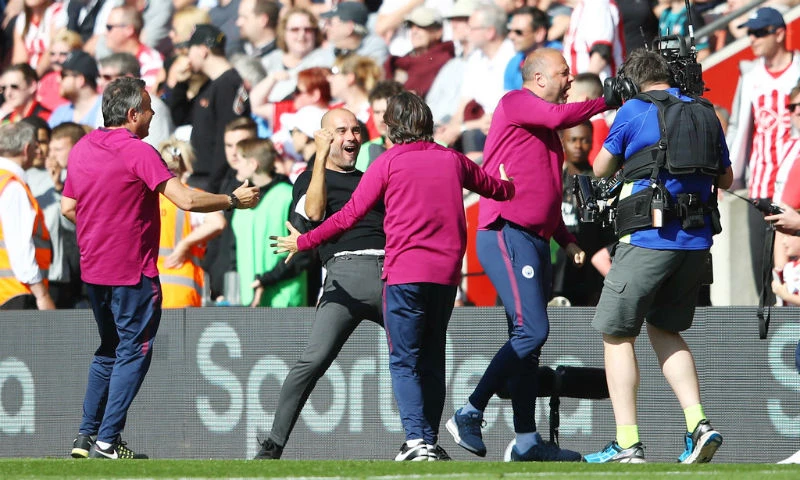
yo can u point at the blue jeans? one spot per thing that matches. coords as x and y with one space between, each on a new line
127 319
416 317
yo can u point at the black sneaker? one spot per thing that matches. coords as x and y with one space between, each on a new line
116 451
416 452
545 452
437 453
82 445
269 450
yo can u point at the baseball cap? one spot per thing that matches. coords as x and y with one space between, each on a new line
307 120
463 8
81 62
424 17
208 35
349 12
763 18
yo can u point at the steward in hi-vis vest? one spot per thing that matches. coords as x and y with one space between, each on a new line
181 286
10 287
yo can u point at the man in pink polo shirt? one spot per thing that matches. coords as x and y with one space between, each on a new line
111 194
513 245
421 185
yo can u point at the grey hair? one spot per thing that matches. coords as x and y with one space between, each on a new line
120 96
14 137
493 16
125 64
250 69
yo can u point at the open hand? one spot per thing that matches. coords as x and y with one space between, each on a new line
286 244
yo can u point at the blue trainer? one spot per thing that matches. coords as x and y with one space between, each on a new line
614 453
545 452
466 431
702 444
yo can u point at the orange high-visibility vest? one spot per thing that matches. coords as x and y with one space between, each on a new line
10 287
182 286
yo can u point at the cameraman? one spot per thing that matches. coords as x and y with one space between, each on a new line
655 274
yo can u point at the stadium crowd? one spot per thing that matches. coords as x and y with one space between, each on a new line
239 90
223 71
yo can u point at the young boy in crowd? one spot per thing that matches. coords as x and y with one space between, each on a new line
256 163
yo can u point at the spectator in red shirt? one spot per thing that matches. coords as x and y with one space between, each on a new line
417 70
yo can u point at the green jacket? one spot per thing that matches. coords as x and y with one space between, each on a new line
252 229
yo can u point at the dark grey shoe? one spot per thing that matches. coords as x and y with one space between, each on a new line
269 450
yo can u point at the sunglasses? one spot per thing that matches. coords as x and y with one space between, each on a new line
761 32
792 106
302 29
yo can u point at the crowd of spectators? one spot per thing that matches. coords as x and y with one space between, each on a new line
241 86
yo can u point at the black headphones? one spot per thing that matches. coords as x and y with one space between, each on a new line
619 89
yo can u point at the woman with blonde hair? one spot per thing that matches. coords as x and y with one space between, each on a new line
62 44
298 40
33 33
352 78
177 67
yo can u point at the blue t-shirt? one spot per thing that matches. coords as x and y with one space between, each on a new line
636 127
66 113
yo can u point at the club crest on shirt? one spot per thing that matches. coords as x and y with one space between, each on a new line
527 271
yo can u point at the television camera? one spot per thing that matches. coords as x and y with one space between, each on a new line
595 198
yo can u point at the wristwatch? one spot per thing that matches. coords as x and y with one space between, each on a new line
234 201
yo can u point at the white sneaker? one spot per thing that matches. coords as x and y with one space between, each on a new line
795 458
507 453
415 451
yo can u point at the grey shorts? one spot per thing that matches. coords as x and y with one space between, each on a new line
657 285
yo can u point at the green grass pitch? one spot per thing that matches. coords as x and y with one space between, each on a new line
384 470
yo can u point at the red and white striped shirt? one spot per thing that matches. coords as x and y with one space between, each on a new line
37 39
152 64
763 120
594 22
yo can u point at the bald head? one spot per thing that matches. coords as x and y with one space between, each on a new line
546 73
328 119
346 131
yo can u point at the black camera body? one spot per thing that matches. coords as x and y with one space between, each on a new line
766 207
686 72
594 198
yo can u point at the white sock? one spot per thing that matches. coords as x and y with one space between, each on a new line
415 442
102 445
